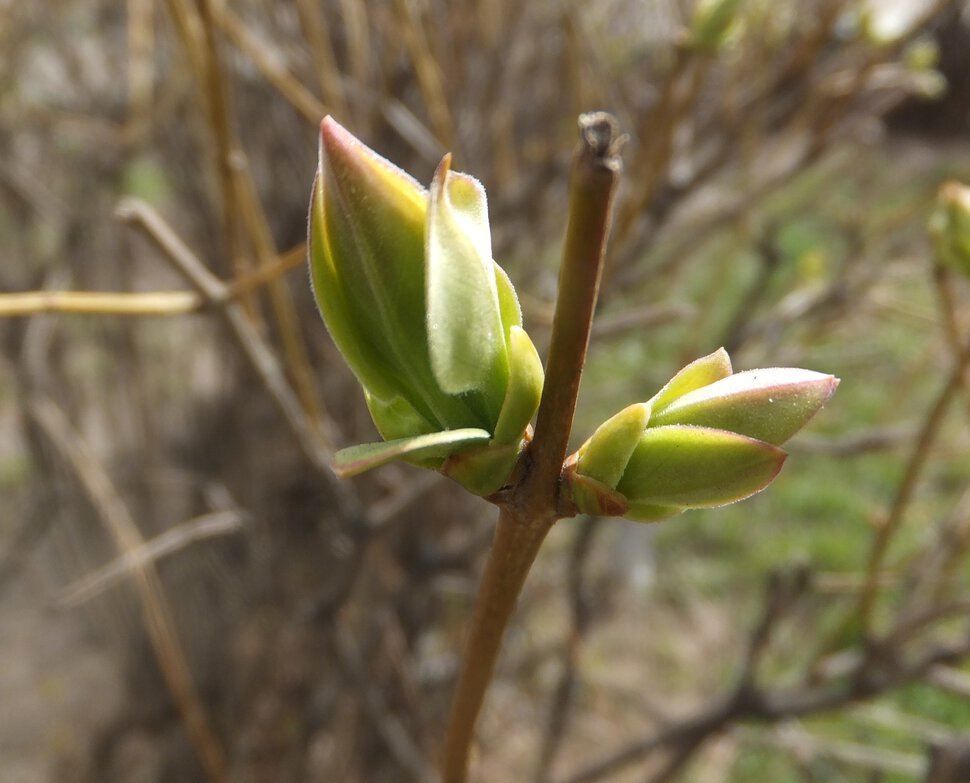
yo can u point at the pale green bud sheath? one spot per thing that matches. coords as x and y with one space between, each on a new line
465 333
524 388
367 263
950 227
600 462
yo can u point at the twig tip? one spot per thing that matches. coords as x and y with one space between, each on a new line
601 139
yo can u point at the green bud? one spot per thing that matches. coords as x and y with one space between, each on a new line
459 268
922 55
950 227
714 24
428 322
524 387
707 438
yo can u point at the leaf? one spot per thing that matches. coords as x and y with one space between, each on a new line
605 455
508 300
482 471
524 388
695 375
595 498
357 459
697 467
769 404
644 512
367 362
465 335
397 418
369 228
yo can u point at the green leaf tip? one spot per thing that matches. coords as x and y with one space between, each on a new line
436 445
770 404
605 455
461 286
699 373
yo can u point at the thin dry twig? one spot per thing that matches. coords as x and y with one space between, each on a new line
395 736
859 678
294 347
243 213
879 761
140 215
287 85
176 538
141 73
138 303
324 59
156 613
428 72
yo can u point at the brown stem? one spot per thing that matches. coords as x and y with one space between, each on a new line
595 171
562 702
514 549
534 504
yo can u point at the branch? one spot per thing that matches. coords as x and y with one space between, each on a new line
533 505
595 172
749 704
907 486
156 613
580 616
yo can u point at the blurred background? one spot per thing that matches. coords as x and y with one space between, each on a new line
188 594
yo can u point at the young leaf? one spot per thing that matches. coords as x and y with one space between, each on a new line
465 334
698 373
357 459
697 467
769 404
524 389
605 455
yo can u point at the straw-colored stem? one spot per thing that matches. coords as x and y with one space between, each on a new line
285 83
99 303
428 73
